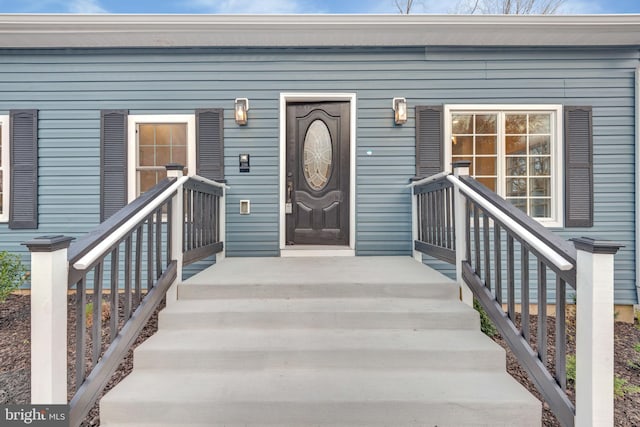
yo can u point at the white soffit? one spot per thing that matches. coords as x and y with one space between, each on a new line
100 31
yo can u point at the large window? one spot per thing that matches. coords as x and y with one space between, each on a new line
4 168
155 141
514 151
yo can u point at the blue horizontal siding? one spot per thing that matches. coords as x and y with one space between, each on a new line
70 88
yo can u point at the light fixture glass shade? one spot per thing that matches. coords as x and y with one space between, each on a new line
241 108
400 108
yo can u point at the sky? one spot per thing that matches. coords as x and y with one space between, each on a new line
277 6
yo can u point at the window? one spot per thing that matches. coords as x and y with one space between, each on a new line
4 168
515 151
155 141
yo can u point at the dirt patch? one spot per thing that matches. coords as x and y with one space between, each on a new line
15 360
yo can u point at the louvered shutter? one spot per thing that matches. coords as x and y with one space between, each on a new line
210 143
578 158
23 145
113 162
429 140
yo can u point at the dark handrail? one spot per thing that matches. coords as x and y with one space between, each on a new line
560 245
135 253
493 229
89 241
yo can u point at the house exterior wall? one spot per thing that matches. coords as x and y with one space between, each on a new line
70 87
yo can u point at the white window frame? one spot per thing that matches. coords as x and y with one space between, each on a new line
132 143
6 187
557 161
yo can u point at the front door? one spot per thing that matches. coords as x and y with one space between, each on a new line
317 180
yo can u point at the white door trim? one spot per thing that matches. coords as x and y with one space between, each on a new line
318 97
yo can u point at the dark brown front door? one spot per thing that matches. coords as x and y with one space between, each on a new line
317 192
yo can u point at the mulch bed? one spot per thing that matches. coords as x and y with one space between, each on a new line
15 361
15 352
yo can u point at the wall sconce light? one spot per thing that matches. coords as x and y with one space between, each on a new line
400 107
241 108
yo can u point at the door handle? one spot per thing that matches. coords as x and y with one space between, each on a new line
289 191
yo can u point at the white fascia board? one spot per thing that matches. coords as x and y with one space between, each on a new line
103 30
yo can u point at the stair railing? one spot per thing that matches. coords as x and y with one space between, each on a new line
135 257
502 255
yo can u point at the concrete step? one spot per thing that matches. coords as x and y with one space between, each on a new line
259 349
222 290
320 397
326 313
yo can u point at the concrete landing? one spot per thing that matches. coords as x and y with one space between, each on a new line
318 271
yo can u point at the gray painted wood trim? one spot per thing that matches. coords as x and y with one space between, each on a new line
104 30
23 146
441 253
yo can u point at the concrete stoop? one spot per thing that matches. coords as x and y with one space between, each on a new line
288 342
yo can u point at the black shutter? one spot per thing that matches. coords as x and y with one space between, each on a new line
23 145
429 140
210 143
578 159
113 162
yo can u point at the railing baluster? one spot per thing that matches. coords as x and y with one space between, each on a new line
524 279
511 303
208 224
96 327
138 268
150 252
467 228
449 216
439 218
561 333
115 282
419 211
198 220
433 223
188 221
428 220
216 218
497 257
476 238
127 278
452 216
158 243
487 251
542 312
81 301
169 230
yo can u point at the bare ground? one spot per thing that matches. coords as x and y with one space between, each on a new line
15 361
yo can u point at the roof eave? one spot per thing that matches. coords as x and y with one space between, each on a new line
103 31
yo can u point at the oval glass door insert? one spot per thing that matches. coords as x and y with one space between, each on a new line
318 154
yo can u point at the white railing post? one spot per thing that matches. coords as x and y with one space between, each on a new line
177 230
417 255
49 285
461 168
594 332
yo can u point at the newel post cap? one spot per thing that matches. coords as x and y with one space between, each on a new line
461 167
594 246
48 243
174 167
461 164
